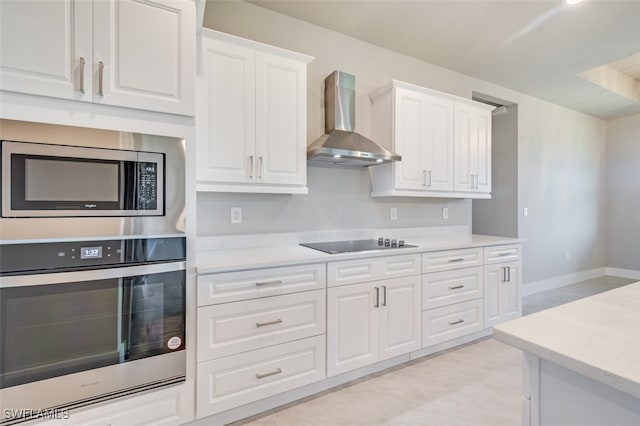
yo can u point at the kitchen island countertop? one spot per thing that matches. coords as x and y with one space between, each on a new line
598 337
216 261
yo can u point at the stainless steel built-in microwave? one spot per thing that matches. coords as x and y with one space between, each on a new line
42 180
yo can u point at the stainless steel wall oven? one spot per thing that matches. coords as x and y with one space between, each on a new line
92 297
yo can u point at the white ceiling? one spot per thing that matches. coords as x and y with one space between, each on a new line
535 47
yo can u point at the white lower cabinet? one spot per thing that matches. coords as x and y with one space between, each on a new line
232 381
502 292
252 324
372 321
451 322
259 333
168 406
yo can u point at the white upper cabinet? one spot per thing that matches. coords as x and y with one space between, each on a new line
126 53
251 117
422 126
472 152
45 47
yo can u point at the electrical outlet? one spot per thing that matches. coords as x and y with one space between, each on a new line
525 212
445 212
236 214
393 213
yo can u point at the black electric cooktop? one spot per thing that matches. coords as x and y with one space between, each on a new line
335 247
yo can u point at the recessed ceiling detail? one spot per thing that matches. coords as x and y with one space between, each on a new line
621 77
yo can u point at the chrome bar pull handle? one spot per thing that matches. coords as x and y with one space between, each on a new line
82 64
456 287
251 166
424 178
271 373
263 324
377 305
504 274
274 282
460 259
384 295
260 166
430 178
509 273
460 321
100 78
505 254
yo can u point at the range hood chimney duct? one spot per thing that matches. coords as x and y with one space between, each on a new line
341 145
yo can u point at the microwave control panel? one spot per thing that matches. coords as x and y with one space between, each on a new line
147 186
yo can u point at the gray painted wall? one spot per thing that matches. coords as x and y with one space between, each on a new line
561 152
337 199
499 215
623 192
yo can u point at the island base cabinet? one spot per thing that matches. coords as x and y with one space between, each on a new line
502 292
230 382
371 322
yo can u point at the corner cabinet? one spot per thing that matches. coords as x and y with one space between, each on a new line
250 117
125 53
444 141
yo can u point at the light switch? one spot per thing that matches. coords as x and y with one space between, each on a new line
393 213
445 212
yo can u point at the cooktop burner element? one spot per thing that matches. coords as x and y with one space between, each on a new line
335 247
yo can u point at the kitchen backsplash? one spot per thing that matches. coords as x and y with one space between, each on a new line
338 199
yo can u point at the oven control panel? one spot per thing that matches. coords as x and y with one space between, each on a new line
61 256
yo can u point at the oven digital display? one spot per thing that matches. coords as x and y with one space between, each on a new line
91 252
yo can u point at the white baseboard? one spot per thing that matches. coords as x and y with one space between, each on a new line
624 273
561 281
568 279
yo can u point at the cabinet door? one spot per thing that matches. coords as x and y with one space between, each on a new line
400 316
438 152
502 292
43 45
482 162
352 327
493 279
225 120
472 149
281 129
410 139
144 54
513 291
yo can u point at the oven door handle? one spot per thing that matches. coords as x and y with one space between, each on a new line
90 275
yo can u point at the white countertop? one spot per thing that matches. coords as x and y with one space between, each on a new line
598 337
214 261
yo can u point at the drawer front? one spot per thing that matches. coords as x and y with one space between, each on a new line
234 286
363 270
451 259
499 254
449 287
229 382
237 327
450 322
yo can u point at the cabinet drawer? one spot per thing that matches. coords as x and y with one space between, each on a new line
499 254
449 287
240 379
233 286
451 259
363 270
450 322
232 328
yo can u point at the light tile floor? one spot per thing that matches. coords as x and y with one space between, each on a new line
478 384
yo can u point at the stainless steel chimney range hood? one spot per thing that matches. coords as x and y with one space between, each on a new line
341 145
